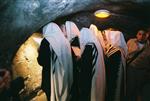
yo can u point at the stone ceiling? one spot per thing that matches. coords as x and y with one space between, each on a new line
20 18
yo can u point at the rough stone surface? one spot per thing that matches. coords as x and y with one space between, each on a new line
25 65
20 18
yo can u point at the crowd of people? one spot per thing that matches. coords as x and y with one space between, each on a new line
90 64
102 66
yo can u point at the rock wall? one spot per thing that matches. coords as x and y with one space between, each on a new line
25 65
20 18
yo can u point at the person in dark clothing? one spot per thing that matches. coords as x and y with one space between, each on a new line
92 67
44 60
112 70
137 66
76 69
71 32
115 50
82 65
82 71
87 71
138 77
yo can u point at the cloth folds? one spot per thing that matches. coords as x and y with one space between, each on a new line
98 79
113 42
61 68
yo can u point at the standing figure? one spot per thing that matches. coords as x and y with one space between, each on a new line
137 65
115 50
136 45
72 33
96 32
92 74
60 64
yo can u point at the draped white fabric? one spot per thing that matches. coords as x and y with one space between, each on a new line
72 31
98 80
116 39
61 69
94 29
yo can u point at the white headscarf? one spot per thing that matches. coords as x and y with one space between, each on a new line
61 79
98 80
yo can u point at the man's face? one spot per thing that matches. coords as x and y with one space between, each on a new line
141 36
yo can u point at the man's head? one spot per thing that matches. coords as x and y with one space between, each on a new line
141 35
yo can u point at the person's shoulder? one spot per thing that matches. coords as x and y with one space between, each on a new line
132 40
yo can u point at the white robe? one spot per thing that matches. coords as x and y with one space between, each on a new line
98 80
62 69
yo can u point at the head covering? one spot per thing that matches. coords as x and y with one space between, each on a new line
61 79
98 80
72 30
54 35
94 29
116 38
72 34
86 37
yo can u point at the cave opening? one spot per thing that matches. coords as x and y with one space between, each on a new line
126 19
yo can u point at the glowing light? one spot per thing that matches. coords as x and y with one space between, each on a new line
102 13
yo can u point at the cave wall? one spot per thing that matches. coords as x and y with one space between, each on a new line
20 18
25 65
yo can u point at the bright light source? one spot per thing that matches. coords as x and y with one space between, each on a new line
102 13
